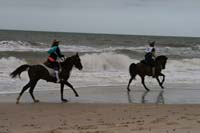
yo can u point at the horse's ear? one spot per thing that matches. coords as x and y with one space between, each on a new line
77 54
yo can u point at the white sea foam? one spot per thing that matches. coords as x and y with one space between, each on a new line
190 52
17 46
106 62
101 70
27 46
185 70
8 64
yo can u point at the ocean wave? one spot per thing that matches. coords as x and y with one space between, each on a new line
101 69
110 61
10 63
21 46
131 51
33 46
106 61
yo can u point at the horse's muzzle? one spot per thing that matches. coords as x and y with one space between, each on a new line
80 67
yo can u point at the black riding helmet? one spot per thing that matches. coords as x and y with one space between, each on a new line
152 44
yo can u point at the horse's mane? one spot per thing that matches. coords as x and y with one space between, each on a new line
161 57
68 59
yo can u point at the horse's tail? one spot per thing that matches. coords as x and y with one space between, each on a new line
19 70
133 70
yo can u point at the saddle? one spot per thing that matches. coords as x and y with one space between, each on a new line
145 63
50 68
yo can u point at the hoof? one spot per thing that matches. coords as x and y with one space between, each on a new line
17 102
36 101
64 100
77 95
128 89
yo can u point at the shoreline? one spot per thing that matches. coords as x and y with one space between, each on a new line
172 94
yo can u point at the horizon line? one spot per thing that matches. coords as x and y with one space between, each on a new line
117 34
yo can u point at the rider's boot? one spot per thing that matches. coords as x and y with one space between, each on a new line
57 76
153 72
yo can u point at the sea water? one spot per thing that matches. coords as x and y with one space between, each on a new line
105 58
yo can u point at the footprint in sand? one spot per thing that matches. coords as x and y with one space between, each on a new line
158 120
198 121
140 121
86 127
31 125
172 123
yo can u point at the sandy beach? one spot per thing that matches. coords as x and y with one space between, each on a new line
96 112
98 118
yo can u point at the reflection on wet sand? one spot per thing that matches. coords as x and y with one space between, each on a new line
133 99
160 98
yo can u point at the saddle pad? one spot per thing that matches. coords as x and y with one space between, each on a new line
50 70
145 63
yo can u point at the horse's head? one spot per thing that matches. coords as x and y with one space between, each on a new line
161 60
75 61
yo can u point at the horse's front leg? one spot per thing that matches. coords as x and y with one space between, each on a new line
68 84
61 92
163 78
159 82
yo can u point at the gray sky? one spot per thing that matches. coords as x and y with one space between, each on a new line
142 17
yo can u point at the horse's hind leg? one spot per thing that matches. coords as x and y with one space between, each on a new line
33 84
23 90
128 89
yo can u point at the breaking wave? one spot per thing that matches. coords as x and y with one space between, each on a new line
101 69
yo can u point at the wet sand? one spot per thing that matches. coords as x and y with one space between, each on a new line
101 111
172 94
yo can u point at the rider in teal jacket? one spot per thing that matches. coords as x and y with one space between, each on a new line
54 54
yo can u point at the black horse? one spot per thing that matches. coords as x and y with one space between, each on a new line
37 72
142 70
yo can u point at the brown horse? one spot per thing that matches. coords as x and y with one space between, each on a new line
142 70
37 72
